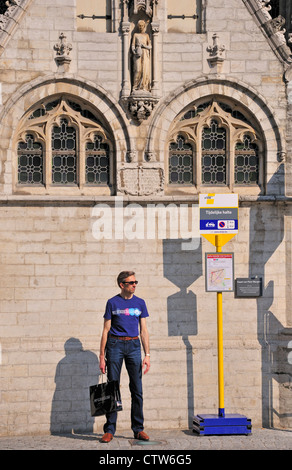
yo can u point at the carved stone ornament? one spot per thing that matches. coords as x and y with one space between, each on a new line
131 156
272 26
281 156
140 181
216 51
140 107
11 5
145 5
63 50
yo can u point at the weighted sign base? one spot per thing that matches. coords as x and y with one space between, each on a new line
212 424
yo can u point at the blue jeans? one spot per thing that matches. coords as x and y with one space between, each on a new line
118 350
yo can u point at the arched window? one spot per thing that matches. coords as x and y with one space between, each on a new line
229 148
246 169
63 143
213 154
97 161
30 161
181 162
64 157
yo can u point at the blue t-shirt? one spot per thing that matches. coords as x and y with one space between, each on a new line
125 314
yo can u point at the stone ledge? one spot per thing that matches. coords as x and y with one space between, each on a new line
89 200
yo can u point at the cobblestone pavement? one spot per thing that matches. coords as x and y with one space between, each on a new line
162 441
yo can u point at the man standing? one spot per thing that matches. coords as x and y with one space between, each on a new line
120 342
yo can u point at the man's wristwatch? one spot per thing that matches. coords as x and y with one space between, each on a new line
147 355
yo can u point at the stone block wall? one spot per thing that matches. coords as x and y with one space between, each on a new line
56 276
55 280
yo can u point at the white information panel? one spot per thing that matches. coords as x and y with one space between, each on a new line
218 213
219 272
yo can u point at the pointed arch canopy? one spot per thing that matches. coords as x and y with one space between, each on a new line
111 122
161 129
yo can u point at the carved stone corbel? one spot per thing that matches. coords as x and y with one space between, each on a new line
141 106
150 156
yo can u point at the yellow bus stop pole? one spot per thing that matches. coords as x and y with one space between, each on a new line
221 410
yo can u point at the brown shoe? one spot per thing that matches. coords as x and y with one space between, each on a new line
142 436
107 437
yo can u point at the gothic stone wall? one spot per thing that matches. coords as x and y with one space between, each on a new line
56 277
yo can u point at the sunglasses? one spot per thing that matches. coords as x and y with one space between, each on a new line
131 282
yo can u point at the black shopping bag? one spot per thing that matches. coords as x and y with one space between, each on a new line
105 398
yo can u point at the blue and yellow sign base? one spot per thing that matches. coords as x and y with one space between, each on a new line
212 424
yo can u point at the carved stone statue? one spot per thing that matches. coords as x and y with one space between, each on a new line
141 46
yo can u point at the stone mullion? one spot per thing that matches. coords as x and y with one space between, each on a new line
48 159
230 158
80 150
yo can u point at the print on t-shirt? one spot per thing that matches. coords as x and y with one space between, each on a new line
127 311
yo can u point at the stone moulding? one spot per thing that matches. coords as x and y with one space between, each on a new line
272 28
10 19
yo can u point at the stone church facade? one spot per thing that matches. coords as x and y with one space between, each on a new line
114 117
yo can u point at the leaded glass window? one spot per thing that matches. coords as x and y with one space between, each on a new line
228 144
30 161
97 162
246 169
213 154
64 164
74 148
180 162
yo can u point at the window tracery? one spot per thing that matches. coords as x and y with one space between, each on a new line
228 147
62 142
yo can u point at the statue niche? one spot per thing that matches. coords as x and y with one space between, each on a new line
141 102
141 60
140 90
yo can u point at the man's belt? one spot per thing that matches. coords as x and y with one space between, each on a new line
125 338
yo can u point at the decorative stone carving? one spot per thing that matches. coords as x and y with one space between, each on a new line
151 181
272 26
281 157
145 5
63 50
140 181
141 106
216 51
11 5
276 24
150 156
131 156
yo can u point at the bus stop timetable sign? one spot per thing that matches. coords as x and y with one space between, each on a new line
218 214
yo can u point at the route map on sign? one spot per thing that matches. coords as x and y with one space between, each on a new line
219 272
216 277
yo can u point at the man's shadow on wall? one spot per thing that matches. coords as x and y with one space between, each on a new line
75 373
182 268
